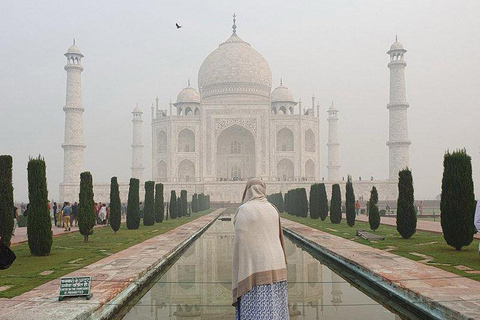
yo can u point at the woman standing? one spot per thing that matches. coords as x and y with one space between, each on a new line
259 281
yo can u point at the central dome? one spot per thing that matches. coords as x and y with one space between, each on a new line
235 68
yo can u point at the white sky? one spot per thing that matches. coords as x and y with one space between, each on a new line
334 49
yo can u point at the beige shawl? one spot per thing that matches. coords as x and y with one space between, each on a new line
259 251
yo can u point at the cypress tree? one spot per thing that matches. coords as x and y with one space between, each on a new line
208 201
6 199
281 204
115 205
374 216
39 224
183 197
336 204
173 205
201 202
159 203
457 205
133 205
195 203
86 210
179 207
350 202
315 201
303 200
322 191
406 217
149 208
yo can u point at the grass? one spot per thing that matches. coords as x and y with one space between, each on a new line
423 242
70 253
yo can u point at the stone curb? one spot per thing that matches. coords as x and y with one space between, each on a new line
399 295
110 308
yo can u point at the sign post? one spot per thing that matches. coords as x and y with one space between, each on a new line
75 287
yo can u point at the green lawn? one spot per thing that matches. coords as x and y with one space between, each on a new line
70 253
422 242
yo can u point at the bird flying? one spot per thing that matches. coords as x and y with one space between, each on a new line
178 26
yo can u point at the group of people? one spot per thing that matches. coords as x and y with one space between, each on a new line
64 216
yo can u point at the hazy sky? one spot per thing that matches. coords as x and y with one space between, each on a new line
334 49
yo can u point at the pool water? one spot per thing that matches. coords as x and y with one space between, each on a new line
198 286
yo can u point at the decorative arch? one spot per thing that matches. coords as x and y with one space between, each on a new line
309 141
283 110
186 171
285 170
162 142
291 111
274 110
162 171
188 111
197 111
285 140
186 141
235 156
310 170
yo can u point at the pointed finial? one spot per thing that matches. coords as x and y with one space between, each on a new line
137 104
396 38
281 81
189 82
234 27
73 40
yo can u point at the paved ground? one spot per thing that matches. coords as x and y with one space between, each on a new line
110 276
21 233
425 225
433 285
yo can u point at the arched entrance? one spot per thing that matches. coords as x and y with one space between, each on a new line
235 154
285 170
186 171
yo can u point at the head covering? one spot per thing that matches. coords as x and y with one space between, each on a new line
254 190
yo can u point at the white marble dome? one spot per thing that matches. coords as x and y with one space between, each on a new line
188 95
235 68
396 46
74 49
282 94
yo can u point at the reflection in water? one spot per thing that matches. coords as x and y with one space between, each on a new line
198 286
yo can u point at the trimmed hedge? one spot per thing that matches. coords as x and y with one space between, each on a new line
115 218
149 208
173 205
6 199
39 225
336 204
133 205
457 205
350 202
86 206
159 203
315 201
184 200
406 216
374 216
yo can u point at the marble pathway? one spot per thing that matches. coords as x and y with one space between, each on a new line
424 225
110 276
437 287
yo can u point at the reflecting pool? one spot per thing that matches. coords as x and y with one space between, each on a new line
198 286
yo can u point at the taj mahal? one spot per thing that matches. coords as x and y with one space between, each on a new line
235 127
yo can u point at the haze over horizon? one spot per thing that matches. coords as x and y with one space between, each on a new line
333 49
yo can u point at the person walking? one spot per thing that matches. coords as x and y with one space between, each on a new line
67 211
259 280
54 208
102 214
74 214
476 220
15 219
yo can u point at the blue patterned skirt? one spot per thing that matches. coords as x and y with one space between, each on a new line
264 302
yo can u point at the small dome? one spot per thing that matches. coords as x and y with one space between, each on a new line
137 109
188 94
282 94
396 46
332 108
73 49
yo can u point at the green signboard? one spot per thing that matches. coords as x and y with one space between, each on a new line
74 287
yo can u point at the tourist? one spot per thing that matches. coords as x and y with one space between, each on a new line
67 211
387 208
54 213
357 207
15 219
74 214
102 214
477 220
259 261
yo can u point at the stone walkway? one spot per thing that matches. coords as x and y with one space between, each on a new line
21 233
434 287
424 225
110 277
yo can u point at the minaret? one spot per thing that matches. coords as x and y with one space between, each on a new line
398 142
73 145
137 145
333 146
